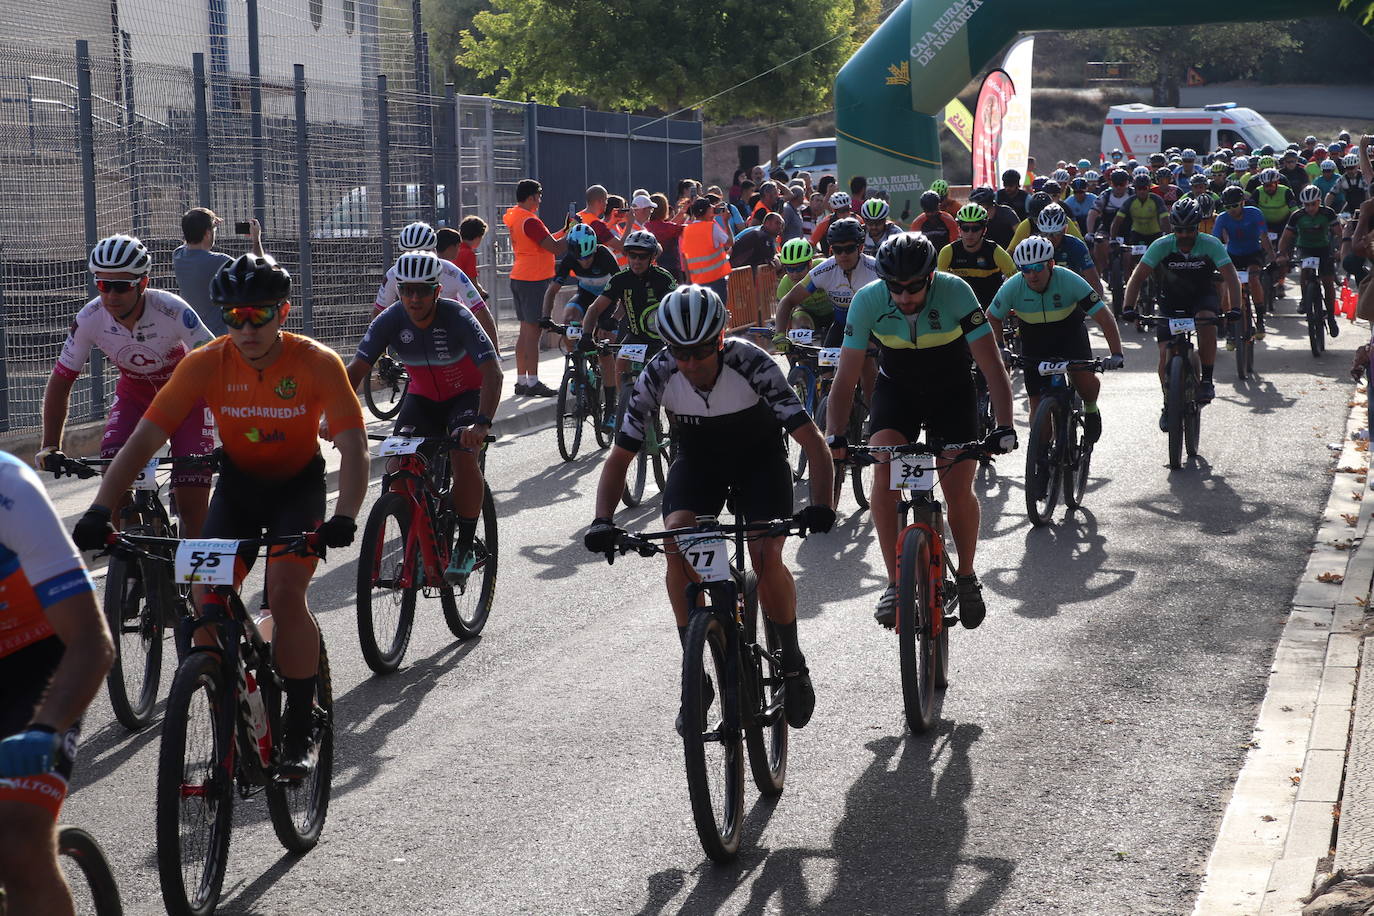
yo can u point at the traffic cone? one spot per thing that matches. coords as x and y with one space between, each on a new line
1346 300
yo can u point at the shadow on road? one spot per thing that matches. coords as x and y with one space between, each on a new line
239 902
1076 551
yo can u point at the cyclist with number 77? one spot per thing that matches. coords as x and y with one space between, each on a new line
267 391
731 406
930 330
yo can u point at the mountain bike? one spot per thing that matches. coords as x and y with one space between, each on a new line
723 638
1116 272
927 597
1145 303
1314 304
86 871
1058 456
223 724
806 381
384 398
1183 412
141 601
407 543
860 477
1242 331
579 393
657 447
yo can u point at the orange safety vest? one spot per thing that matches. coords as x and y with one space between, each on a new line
532 260
586 216
615 227
704 259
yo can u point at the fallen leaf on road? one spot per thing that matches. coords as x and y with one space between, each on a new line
1120 856
1268 817
1296 779
1342 545
1333 578
1286 708
1362 602
1357 495
1350 518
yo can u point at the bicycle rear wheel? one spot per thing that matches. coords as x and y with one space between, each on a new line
1192 414
466 612
195 787
385 402
1316 316
918 651
711 738
572 408
802 384
766 737
88 873
1044 463
1176 406
1245 344
860 476
298 808
138 632
596 400
1078 456
386 610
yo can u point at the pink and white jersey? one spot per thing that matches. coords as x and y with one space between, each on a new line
167 330
453 284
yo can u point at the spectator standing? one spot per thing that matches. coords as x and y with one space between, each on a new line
793 225
736 191
668 231
471 231
196 262
705 248
758 245
536 251
448 244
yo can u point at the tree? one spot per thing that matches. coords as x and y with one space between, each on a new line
669 56
1362 11
445 21
1163 55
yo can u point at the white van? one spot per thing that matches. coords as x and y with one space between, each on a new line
1138 130
815 156
351 217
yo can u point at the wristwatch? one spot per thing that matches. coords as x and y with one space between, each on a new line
482 420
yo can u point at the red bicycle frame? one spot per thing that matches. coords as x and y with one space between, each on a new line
936 572
409 478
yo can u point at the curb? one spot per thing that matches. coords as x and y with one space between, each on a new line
1280 820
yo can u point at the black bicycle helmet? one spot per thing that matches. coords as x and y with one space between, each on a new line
1185 213
983 195
1232 196
250 280
1038 201
1206 206
930 202
845 230
905 256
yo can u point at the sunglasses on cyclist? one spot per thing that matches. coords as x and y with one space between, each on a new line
116 286
915 286
416 289
687 354
1034 268
971 227
796 268
256 315
843 249
637 255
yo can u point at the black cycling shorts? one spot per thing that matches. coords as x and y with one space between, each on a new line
437 418
758 485
1059 340
244 506
1209 303
949 414
1252 261
583 301
1328 265
26 674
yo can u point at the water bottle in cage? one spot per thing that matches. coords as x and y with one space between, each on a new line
257 718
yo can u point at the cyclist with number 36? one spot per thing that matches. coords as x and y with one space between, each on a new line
267 390
731 406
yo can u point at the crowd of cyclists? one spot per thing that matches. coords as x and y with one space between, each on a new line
922 317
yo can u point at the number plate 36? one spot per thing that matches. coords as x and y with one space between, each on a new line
912 473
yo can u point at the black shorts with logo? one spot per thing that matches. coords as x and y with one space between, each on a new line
758 485
244 506
949 413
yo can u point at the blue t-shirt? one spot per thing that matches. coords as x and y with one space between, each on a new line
1243 235
1079 210
1073 254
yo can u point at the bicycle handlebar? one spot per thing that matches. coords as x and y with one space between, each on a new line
136 545
644 542
1233 315
864 455
85 468
1070 365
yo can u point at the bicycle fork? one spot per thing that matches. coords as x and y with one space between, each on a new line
935 563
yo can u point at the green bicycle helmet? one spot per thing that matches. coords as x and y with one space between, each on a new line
940 186
875 208
971 213
797 251
582 241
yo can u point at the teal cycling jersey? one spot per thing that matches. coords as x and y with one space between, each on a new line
928 345
1068 297
1187 276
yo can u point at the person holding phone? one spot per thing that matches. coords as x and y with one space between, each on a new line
196 262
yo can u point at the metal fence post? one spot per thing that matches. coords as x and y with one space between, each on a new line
136 205
255 111
86 131
532 139
384 165
453 188
4 368
200 141
629 157
306 295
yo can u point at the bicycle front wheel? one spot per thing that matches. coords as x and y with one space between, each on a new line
766 736
386 609
918 650
1316 316
467 607
195 787
802 383
298 808
1176 405
92 883
572 408
138 631
1044 462
711 738
385 402
659 457
1078 455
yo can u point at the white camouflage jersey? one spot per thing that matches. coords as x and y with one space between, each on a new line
167 330
750 403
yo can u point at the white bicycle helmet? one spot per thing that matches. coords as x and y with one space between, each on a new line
418 237
1309 194
120 254
1270 176
1060 175
1350 161
1240 163
1092 175
1034 250
691 315
1052 219
1141 170
419 267
875 208
840 199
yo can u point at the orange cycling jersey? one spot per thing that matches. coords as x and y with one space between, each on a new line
267 418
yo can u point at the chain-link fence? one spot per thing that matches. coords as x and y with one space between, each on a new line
95 145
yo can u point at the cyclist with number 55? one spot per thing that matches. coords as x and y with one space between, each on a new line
930 330
267 390
731 407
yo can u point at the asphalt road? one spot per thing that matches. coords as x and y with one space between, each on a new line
1090 733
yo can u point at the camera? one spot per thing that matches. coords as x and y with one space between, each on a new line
242 227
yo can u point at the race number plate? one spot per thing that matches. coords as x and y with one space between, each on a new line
1119 240
829 356
1273 236
206 562
1243 276
710 557
801 335
147 478
400 445
634 352
1311 263
574 332
1060 368
913 473
1181 325
1138 249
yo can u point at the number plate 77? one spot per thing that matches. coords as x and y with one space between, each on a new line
710 558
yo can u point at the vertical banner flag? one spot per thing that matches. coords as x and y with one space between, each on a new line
993 98
959 120
1015 149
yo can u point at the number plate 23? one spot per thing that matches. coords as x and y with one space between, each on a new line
206 562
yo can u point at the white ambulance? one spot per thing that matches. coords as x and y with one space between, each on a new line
1138 129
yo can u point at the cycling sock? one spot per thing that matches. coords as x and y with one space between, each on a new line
300 697
792 657
682 636
1090 407
1207 373
610 401
467 530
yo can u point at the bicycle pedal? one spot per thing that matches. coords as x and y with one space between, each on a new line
951 620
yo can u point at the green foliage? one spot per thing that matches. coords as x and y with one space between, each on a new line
1362 10
1163 55
445 21
618 55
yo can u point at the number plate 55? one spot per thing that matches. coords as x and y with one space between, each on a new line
710 557
1181 325
206 562
400 445
913 473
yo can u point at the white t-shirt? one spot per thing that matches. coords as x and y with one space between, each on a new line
828 276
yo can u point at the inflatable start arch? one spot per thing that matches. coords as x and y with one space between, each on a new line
888 95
